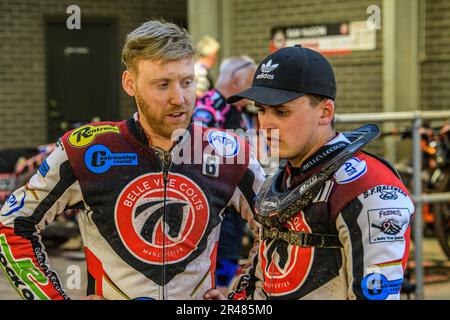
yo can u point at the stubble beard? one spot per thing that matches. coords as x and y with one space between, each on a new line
157 124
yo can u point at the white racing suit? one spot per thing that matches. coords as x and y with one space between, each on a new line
150 223
366 208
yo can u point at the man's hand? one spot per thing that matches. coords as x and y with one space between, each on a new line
93 297
214 294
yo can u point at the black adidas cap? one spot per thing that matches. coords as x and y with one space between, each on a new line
290 73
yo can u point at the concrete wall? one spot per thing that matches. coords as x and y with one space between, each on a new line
359 75
435 55
244 27
23 106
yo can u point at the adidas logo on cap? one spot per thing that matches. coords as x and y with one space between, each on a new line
267 68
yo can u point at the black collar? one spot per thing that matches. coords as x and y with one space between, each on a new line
324 153
138 132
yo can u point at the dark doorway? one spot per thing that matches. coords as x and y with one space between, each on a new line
82 74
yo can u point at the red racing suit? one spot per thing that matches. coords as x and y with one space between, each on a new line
150 220
366 207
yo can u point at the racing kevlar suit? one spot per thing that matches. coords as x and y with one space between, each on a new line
150 222
365 207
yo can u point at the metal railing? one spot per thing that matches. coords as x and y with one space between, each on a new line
416 117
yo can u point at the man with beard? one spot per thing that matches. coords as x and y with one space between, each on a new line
150 191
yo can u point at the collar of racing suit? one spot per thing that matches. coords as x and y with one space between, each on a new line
293 176
138 132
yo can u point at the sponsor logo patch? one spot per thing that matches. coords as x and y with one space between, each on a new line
146 232
389 195
14 204
323 155
352 170
99 159
376 286
270 204
385 192
308 183
85 135
224 143
44 168
387 224
23 274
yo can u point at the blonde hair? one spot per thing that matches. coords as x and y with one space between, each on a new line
157 40
207 46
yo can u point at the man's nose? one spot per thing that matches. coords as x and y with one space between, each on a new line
266 121
177 95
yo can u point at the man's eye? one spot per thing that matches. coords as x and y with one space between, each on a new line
163 85
282 112
188 82
261 110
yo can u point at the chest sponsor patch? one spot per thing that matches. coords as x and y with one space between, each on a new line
85 135
352 170
376 286
224 143
286 267
161 227
99 159
388 224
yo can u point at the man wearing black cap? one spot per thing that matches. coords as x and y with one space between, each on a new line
334 219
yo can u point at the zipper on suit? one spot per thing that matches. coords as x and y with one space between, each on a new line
165 164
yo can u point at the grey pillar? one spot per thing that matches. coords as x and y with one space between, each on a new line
214 18
401 65
401 76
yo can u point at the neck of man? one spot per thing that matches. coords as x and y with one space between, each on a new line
155 140
312 147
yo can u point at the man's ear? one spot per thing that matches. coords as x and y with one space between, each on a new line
327 112
128 83
234 82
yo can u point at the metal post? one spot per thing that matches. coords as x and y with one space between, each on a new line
418 222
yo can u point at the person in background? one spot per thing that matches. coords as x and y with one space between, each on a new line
208 51
211 110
